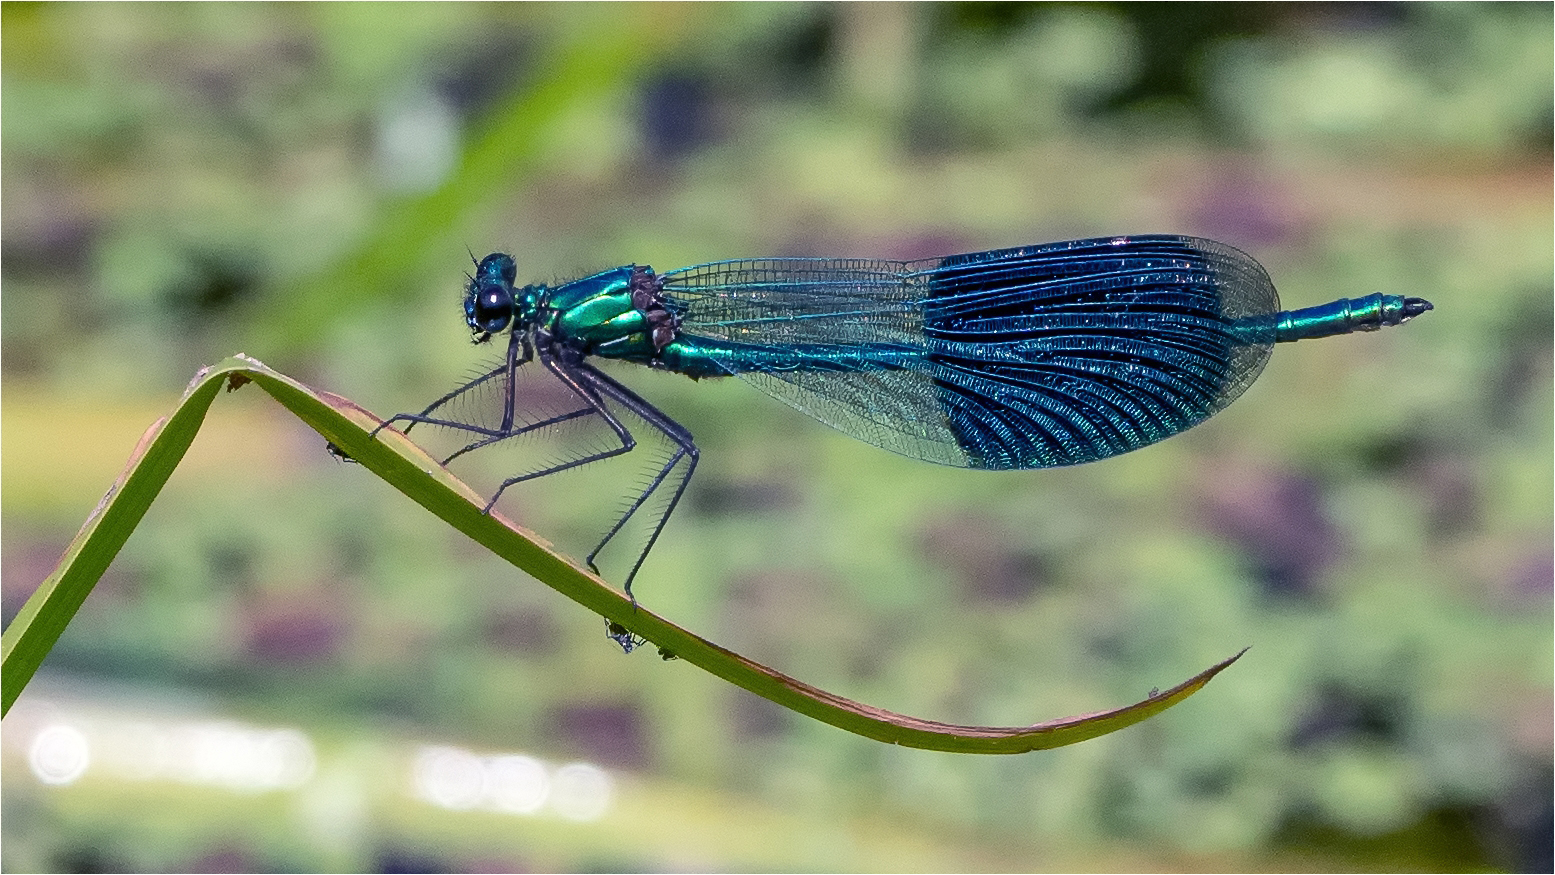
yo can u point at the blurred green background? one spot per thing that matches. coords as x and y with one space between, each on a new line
291 667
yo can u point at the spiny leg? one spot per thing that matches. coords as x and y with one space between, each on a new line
687 452
425 416
519 353
569 376
489 435
533 426
685 449
588 384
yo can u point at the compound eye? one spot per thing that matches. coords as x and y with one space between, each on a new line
489 307
497 267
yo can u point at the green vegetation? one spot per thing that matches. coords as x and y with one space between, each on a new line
37 627
1374 516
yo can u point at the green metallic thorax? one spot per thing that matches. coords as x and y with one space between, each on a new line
597 315
618 314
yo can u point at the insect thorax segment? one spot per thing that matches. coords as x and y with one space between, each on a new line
615 314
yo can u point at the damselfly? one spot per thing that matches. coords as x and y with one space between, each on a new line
1031 357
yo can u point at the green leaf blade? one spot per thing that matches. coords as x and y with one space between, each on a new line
391 456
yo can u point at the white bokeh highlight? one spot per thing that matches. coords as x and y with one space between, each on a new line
459 780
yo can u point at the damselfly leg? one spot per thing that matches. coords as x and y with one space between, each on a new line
596 391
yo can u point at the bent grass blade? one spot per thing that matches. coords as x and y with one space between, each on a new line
391 456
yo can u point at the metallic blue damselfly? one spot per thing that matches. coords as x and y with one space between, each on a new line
1032 357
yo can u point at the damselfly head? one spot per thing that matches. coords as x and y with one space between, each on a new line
488 299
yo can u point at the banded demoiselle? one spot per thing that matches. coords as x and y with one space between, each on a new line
1032 357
